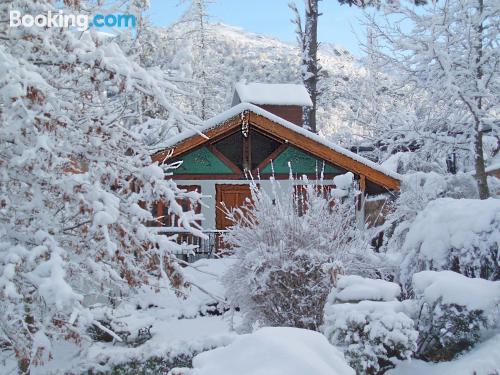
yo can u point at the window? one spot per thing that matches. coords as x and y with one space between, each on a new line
261 148
232 148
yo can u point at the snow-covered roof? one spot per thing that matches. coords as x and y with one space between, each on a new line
222 118
273 93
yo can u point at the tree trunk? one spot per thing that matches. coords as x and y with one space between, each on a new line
482 182
481 178
203 47
310 61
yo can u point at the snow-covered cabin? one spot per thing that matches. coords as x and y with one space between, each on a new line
249 137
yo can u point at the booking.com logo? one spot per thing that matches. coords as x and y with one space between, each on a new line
80 21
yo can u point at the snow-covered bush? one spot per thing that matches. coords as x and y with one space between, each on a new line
438 224
364 318
286 245
482 359
417 190
453 312
272 350
461 235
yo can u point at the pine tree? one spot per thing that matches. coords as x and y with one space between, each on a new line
198 34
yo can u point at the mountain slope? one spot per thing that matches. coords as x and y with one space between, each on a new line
233 55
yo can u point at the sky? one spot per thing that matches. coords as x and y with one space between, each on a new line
339 24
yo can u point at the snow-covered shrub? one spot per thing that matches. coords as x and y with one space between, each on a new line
417 190
461 235
453 312
364 318
286 245
430 230
272 350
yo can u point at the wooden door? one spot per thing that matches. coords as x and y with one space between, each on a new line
232 196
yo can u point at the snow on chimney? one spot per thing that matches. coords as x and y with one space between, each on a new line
282 99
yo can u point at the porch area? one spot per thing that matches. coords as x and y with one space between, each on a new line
192 247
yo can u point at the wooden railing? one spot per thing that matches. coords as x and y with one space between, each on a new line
193 247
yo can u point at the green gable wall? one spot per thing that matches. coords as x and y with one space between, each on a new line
202 161
300 161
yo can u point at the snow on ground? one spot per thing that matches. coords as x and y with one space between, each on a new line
171 338
178 326
206 273
205 277
181 326
483 359
276 351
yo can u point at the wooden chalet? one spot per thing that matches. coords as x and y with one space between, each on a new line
262 135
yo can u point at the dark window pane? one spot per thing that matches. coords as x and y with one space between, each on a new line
232 148
262 147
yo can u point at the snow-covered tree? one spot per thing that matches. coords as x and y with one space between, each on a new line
180 93
451 50
189 45
197 17
189 51
392 117
307 38
75 181
288 243
453 234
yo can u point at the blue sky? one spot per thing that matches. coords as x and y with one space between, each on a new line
338 24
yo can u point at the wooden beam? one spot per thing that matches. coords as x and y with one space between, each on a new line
271 157
362 183
247 153
280 176
323 152
225 160
362 187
